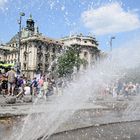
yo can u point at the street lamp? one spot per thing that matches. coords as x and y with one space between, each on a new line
19 41
113 37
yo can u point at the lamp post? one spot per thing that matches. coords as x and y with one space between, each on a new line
113 37
19 41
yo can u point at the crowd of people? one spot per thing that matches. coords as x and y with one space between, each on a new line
44 86
120 88
20 86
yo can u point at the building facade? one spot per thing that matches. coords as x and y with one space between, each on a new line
36 51
87 47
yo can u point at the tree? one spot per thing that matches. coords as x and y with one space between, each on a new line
68 61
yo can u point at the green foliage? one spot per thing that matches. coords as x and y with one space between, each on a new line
68 61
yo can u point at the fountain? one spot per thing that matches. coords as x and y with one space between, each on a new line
44 119
68 114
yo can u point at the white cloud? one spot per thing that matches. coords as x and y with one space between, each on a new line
2 3
110 18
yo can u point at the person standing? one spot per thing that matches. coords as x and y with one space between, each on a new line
20 87
34 86
4 84
49 88
114 92
11 74
137 88
45 87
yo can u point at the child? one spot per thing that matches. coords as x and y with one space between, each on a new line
27 90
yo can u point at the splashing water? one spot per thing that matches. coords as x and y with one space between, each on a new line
77 93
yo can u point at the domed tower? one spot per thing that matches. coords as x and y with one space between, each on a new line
30 24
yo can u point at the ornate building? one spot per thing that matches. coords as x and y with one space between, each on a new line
36 51
87 47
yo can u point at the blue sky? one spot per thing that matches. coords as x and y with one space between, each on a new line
59 18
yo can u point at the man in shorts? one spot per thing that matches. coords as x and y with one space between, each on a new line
11 74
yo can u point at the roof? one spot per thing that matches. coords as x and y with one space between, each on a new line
81 37
38 37
78 36
4 48
8 48
15 38
43 39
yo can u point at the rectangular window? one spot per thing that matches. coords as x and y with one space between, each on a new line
85 54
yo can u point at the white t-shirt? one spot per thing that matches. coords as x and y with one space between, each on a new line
27 90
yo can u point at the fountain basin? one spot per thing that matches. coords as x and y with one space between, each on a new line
88 116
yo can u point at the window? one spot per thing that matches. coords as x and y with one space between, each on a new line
59 49
47 48
85 65
46 67
25 58
53 68
85 54
53 50
25 66
85 41
53 57
46 57
78 40
40 47
25 47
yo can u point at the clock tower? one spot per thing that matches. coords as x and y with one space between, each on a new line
30 24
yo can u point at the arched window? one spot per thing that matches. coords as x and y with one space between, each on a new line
26 47
40 47
53 49
24 66
47 48
85 54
